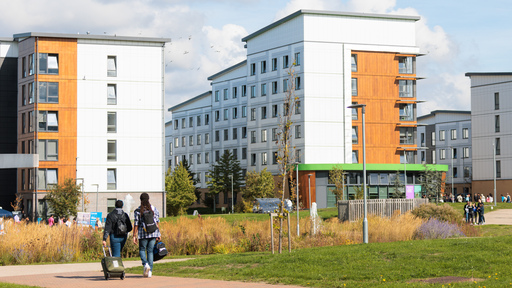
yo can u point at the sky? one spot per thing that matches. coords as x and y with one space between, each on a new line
456 36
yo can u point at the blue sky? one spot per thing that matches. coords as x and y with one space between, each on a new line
458 36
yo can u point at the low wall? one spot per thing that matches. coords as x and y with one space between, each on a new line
352 210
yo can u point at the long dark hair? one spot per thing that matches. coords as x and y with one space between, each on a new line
144 203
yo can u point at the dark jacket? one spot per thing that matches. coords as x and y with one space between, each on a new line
111 222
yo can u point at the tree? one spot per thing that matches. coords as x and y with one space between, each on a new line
219 176
18 202
179 188
398 187
432 182
194 179
258 185
337 177
64 199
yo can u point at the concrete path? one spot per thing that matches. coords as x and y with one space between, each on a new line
500 217
78 275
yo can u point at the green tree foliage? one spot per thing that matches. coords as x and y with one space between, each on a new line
398 187
432 183
359 192
179 189
64 199
337 177
219 176
258 185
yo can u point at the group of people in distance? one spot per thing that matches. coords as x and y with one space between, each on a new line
474 212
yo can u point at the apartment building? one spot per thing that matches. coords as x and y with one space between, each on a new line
359 59
445 138
91 108
491 110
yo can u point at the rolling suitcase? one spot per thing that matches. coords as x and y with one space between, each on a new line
112 266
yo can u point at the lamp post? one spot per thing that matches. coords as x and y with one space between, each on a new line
297 196
494 169
452 169
365 220
309 192
232 196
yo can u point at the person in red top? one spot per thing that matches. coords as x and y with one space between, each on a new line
51 220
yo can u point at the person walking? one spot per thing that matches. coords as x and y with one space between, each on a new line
146 231
51 221
117 226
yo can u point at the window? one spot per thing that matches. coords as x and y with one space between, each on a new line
244 153
274 64
297 59
111 122
253 114
111 94
433 141
498 169
354 112
217 136
406 112
497 123
23 178
111 150
441 135
176 124
207 138
111 179
297 107
496 101
465 133
433 155
298 131
244 111
442 154
47 121
183 141
183 123
48 63
31 93
190 159
253 159
217 155
47 178
191 140
176 160
285 85
198 177
31 65
176 143
253 69
244 132
235 154
264 112
354 62
453 133
235 93
422 139
454 172
285 61
297 83
407 135
355 157
497 146
423 157
264 158
226 114
198 139
226 96
48 92
190 121
264 135
170 150
253 136
253 91
263 67
48 150
217 116
275 111
274 87
244 90
454 153
286 108
23 96
217 97
354 86
465 152
111 66
405 65
355 139
207 157
264 89
23 124
274 134
235 133
226 134
207 119
298 156
234 112
406 88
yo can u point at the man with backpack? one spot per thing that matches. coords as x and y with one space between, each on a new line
117 225
146 232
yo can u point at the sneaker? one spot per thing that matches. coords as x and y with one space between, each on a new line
149 274
147 270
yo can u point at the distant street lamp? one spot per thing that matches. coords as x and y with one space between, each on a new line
232 196
297 196
309 192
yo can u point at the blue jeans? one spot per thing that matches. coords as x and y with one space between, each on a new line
147 245
117 243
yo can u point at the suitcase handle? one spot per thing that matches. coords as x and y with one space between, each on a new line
109 251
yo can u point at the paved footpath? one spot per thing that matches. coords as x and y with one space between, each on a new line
78 275
500 217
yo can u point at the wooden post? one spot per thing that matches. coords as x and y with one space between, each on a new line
289 234
272 231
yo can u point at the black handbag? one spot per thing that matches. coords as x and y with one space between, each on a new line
159 251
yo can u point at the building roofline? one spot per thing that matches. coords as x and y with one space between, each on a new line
469 74
90 36
8 39
208 93
433 113
227 70
332 13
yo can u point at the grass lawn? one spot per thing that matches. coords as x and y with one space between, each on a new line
396 264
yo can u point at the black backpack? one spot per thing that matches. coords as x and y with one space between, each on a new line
148 221
121 228
159 251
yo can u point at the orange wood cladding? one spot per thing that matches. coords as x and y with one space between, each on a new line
377 83
304 190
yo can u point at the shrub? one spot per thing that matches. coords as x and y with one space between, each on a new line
441 212
435 229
